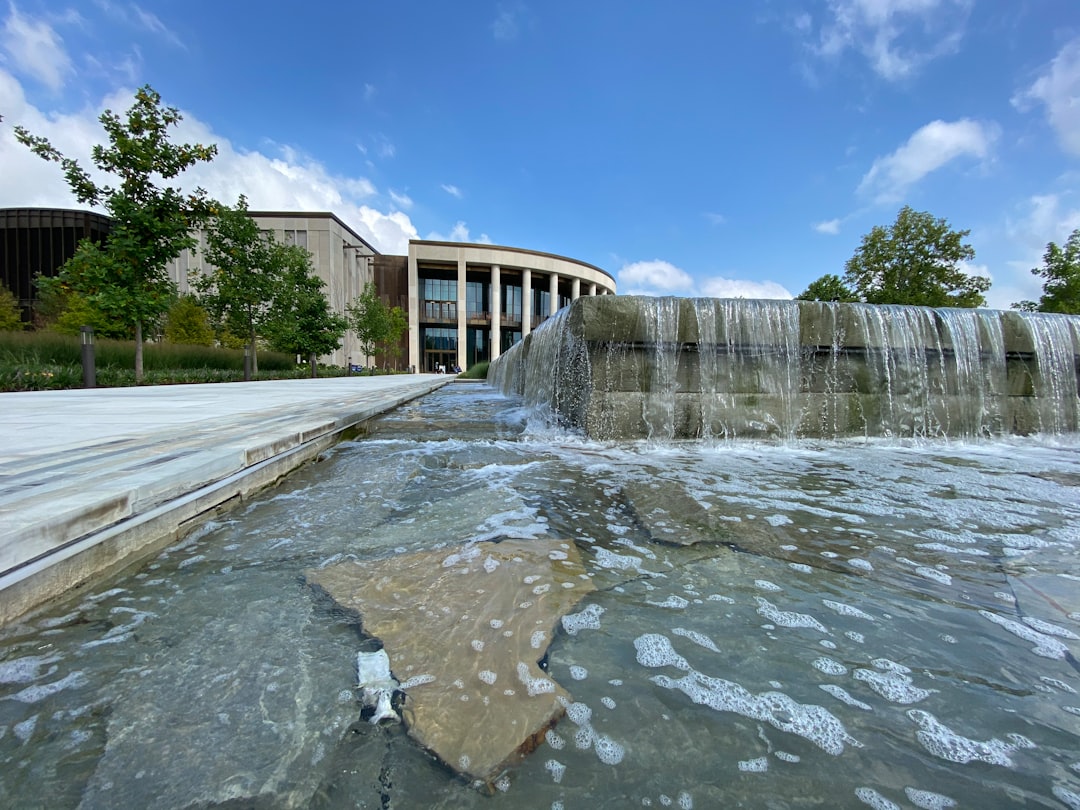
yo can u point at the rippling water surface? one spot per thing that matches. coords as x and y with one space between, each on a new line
853 625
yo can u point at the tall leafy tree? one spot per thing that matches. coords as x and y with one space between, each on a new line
1061 271
369 319
918 261
239 289
300 320
126 278
827 288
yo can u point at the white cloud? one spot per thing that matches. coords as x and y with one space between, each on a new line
151 22
508 21
460 233
927 150
656 277
400 199
829 226
1059 90
720 287
715 219
897 37
35 49
453 191
277 178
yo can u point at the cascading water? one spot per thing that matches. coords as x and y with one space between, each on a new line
668 368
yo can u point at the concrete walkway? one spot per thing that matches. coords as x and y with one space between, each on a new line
92 479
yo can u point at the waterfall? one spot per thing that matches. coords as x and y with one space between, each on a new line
673 368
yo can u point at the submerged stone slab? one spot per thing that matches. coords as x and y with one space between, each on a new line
465 629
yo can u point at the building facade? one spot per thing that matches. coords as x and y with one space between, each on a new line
41 240
469 302
339 256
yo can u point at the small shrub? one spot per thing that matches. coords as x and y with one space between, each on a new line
476 372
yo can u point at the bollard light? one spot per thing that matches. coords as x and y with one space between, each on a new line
348 366
247 364
89 369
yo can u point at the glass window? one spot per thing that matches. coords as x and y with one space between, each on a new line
511 303
296 238
476 297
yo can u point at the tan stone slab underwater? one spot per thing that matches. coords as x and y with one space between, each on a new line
465 629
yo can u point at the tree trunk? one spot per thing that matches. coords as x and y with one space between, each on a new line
311 359
138 353
254 357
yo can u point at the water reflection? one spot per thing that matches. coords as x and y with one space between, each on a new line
838 624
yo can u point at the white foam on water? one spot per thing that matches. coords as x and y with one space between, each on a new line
487 676
578 673
1050 629
861 564
758 765
36 692
56 621
655 650
24 670
416 680
778 520
787 618
928 800
933 574
871 797
698 638
1045 646
554 740
608 702
617 562
829 666
529 580
847 610
537 639
586 619
25 730
802 568
828 645
719 597
789 547
674 602
943 742
496 624
945 549
784 756
811 722
534 686
842 695
858 638
477 644
490 564
556 769
1066 796
895 687
685 801
1072 710
1054 682
765 585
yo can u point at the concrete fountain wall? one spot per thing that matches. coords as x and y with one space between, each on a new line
624 367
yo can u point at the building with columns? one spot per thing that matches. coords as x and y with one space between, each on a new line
465 302
468 303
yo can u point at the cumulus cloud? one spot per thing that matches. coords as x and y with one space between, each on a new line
655 277
927 150
896 37
460 233
400 199
453 191
720 287
658 277
1058 89
34 49
276 178
829 226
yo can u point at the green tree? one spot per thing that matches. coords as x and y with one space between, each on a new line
915 261
300 320
397 323
126 278
189 323
10 314
239 289
827 288
369 319
1061 271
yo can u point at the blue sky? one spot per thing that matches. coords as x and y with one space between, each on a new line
688 148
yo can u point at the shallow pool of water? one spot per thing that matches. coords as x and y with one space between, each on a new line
851 625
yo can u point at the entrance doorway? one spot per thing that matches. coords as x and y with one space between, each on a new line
433 359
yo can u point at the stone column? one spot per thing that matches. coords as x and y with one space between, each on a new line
496 311
526 302
462 314
553 294
592 289
575 289
415 358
